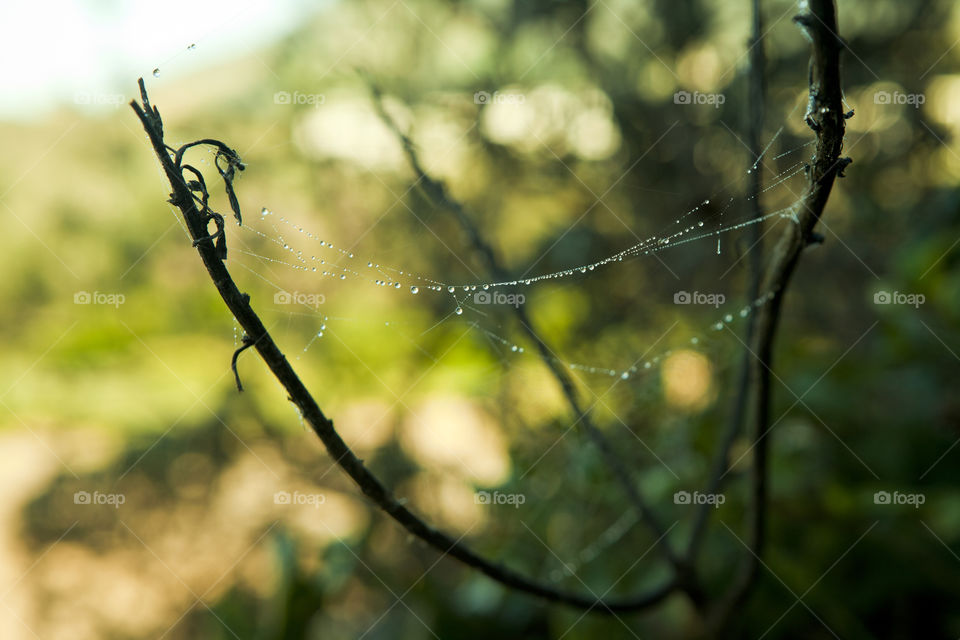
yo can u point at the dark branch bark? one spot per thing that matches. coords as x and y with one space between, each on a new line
825 116
239 305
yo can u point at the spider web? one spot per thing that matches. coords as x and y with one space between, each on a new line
272 246
306 276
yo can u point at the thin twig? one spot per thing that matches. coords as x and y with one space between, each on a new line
239 305
438 193
818 20
756 96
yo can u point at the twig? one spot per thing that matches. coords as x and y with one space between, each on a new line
239 305
825 116
756 96
437 192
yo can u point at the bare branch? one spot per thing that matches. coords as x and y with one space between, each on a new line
818 20
239 305
756 96
438 193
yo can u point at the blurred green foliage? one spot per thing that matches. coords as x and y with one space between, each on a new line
138 398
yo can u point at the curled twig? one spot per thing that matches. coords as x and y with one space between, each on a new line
247 343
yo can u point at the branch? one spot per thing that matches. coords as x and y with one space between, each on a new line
238 303
818 21
437 192
756 96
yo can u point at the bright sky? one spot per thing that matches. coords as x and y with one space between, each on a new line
56 51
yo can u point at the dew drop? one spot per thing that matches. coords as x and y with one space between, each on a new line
459 311
370 264
728 318
694 340
624 375
514 348
396 285
156 73
323 327
451 289
191 47
414 290
718 326
319 334
264 212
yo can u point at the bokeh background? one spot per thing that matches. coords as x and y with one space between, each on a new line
115 382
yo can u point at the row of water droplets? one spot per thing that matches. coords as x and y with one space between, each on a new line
392 278
156 70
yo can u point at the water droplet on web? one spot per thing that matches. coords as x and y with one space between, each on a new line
728 318
319 334
514 348
156 73
624 375
264 212
396 285
744 312
459 311
694 340
370 264
451 289
718 326
191 47
700 224
414 290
